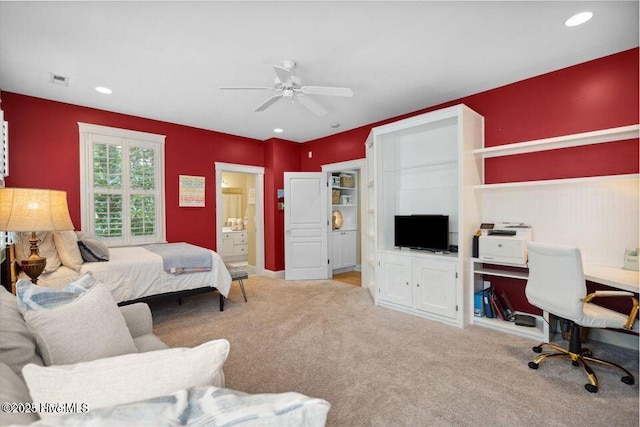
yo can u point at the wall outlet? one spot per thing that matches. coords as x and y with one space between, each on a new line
310 154
486 284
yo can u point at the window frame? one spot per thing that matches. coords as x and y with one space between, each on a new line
90 134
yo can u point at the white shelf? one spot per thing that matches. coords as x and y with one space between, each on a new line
422 165
502 273
574 140
344 206
343 188
537 332
584 180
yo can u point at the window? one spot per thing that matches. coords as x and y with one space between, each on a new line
121 178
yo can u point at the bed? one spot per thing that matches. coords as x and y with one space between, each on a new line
135 274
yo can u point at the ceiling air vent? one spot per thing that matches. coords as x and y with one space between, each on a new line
59 80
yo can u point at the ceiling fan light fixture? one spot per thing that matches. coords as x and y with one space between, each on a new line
578 19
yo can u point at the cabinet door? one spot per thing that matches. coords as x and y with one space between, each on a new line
337 250
348 248
394 279
435 287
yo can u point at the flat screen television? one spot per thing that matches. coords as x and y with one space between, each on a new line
427 232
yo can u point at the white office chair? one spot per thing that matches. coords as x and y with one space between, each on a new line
556 284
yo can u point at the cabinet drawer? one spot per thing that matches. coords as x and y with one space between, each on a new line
240 249
227 236
240 238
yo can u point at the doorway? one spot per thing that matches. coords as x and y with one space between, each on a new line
346 248
239 216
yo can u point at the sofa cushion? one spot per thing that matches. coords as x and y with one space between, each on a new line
67 246
84 328
17 343
208 406
13 390
46 249
108 381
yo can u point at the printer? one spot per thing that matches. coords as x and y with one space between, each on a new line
505 243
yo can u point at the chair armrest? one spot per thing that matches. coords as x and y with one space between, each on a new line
634 310
138 319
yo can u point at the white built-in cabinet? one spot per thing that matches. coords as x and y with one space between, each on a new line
344 198
423 165
344 249
585 205
235 245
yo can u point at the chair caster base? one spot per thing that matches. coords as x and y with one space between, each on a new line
591 388
575 363
628 380
533 365
537 349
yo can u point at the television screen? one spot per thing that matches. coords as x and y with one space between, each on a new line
422 232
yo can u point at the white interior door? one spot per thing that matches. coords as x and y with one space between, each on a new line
305 226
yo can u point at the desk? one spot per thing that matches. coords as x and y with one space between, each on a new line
613 276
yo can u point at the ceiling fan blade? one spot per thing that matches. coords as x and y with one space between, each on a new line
268 102
283 74
326 90
245 88
310 104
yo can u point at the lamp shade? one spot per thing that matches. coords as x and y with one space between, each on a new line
28 209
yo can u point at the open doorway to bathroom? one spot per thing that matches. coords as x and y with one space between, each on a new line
239 217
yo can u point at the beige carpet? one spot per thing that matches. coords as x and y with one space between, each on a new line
382 368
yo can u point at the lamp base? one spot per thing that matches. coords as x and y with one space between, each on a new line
35 264
34 268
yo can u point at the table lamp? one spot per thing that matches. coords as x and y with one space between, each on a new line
33 210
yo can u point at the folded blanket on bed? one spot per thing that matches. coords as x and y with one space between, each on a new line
182 257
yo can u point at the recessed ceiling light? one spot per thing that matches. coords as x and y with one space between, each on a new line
335 125
579 18
104 90
278 130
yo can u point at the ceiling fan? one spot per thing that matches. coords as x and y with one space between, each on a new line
290 87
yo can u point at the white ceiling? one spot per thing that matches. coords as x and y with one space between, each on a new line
166 60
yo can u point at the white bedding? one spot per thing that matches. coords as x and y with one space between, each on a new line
135 272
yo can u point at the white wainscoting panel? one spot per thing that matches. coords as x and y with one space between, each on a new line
600 217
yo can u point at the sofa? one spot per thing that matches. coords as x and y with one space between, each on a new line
18 347
76 358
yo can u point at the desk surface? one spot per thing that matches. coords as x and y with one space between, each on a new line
613 276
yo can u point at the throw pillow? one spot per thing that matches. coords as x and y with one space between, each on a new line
225 407
91 248
107 382
46 249
88 327
33 297
207 406
67 246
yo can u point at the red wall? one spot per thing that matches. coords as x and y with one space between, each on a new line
279 156
44 152
603 93
598 94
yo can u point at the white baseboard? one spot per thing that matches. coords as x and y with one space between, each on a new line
616 338
274 274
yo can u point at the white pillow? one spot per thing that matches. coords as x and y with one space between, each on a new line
128 378
46 249
67 246
89 327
